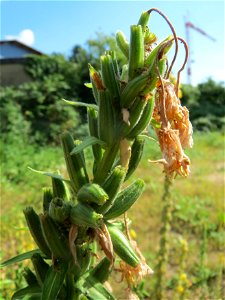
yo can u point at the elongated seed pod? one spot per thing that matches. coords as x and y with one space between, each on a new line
92 193
125 199
112 186
143 21
34 224
75 165
84 215
133 89
109 77
55 237
59 210
122 246
47 198
102 270
136 54
106 116
40 267
144 119
122 43
136 155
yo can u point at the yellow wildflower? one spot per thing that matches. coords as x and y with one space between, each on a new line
180 289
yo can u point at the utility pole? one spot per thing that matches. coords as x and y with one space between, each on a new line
188 26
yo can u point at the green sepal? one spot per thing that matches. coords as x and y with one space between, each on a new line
150 60
112 186
109 77
29 291
59 210
104 167
40 267
133 89
125 199
96 81
106 115
154 77
29 276
47 198
54 281
124 73
135 112
143 21
122 246
59 189
83 258
144 119
97 290
93 130
75 163
102 270
136 155
122 43
34 224
92 193
55 237
88 287
136 54
84 215
115 62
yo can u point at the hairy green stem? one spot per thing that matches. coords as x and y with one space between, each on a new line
161 267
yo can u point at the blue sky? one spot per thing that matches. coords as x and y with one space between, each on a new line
58 25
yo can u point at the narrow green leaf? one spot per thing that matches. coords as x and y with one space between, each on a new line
19 258
88 85
89 141
53 282
33 290
81 104
53 175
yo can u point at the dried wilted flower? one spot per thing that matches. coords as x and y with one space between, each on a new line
174 158
130 295
185 129
176 130
133 275
105 241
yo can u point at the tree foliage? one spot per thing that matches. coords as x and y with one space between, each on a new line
206 102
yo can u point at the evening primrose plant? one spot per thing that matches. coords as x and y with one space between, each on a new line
79 217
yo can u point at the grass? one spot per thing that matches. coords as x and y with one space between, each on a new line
197 203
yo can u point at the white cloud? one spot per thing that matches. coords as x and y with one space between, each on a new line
26 36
